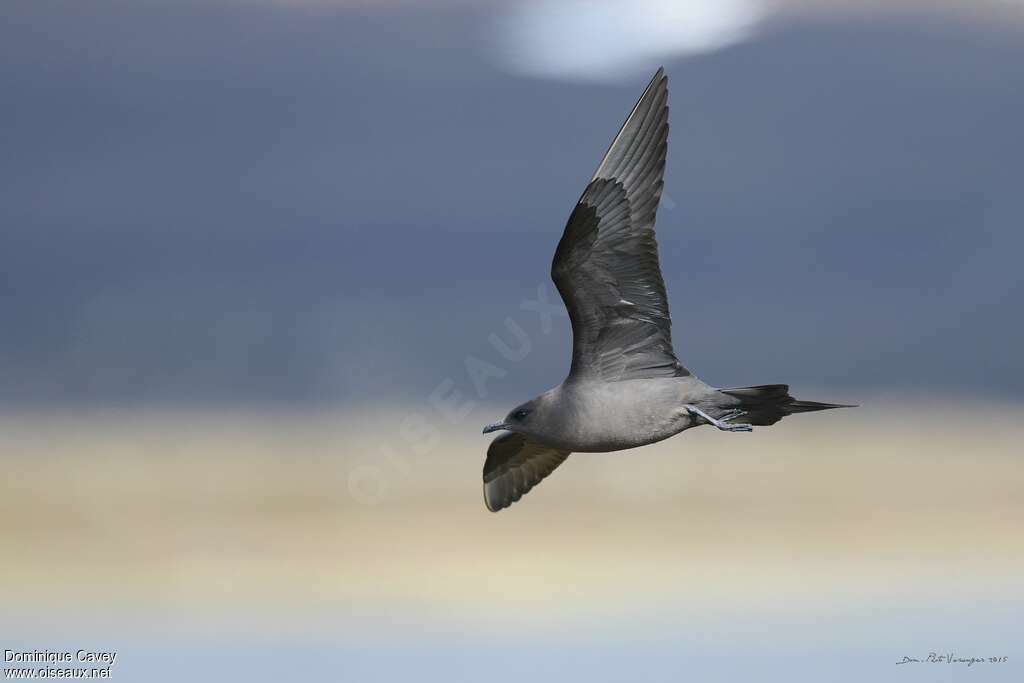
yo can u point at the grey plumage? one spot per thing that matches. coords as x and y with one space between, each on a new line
515 465
625 388
606 264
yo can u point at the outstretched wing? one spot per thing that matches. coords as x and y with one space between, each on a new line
606 264
515 464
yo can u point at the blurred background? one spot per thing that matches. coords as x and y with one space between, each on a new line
261 264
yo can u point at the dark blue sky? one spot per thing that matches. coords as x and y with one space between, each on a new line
241 203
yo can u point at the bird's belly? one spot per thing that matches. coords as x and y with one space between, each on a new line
628 420
611 440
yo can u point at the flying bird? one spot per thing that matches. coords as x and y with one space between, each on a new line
625 388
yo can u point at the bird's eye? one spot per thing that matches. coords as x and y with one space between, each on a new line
520 414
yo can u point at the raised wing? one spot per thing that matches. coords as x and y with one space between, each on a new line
606 264
514 465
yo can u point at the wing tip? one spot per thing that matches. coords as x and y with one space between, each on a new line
656 90
659 81
660 76
497 503
487 501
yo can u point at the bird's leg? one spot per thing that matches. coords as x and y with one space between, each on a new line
721 424
731 415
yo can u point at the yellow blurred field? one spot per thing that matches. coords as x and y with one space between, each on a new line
230 513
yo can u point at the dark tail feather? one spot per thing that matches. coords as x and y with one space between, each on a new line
769 403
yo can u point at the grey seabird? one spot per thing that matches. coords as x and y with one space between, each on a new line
626 388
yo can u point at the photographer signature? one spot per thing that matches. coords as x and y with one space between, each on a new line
951 658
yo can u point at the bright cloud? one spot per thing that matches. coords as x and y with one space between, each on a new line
612 39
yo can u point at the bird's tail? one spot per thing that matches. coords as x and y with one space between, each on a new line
769 403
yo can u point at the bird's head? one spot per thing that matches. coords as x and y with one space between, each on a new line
523 419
